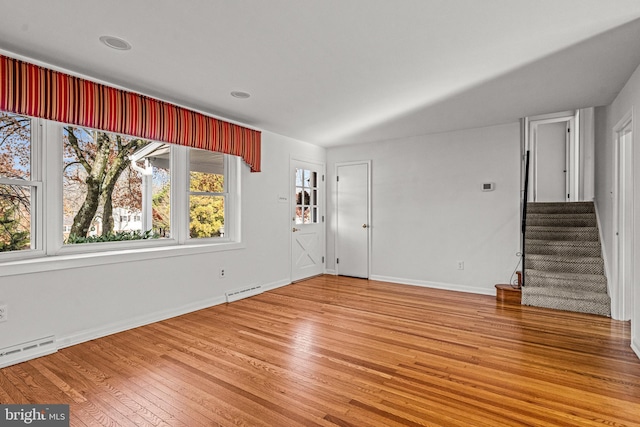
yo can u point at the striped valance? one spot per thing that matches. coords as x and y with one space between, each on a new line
39 92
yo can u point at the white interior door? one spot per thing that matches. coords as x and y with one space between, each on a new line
551 169
353 219
307 220
624 260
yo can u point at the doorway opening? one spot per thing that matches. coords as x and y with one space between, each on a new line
553 143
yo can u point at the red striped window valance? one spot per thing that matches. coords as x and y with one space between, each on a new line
39 92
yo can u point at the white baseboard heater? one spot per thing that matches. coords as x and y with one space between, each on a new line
27 350
241 293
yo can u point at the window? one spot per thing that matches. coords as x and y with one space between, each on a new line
112 189
19 188
306 196
110 183
206 194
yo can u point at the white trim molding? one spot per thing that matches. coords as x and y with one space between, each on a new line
113 328
435 285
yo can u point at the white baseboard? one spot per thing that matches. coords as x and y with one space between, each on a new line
114 328
276 285
635 346
330 271
147 319
435 285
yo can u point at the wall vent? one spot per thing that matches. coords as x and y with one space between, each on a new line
249 291
27 350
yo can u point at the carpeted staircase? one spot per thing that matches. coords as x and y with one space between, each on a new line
563 259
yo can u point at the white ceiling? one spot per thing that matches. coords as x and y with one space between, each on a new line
332 72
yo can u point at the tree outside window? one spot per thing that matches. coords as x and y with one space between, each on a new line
16 187
105 189
206 194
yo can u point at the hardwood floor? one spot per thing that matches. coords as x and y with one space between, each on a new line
334 351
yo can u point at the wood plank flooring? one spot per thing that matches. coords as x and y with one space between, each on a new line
335 351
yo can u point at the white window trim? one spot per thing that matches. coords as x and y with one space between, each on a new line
35 182
228 235
51 254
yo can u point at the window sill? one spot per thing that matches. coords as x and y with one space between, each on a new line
90 259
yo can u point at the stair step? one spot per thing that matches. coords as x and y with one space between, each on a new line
567 264
562 247
560 207
561 220
508 294
582 302
557 279
562 233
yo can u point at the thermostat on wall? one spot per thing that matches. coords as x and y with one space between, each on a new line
488 186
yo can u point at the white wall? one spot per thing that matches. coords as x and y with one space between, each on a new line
586 135
83 303
606 119
429 210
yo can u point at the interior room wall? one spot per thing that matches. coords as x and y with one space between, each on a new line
79 304
606 118
429 210
586 153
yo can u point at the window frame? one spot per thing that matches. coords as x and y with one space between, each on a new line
228 229
52 254
35 182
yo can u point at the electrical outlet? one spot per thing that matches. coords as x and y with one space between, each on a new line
3 313
222 273
460 265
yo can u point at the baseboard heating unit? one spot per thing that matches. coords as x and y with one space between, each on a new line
247 292
27 350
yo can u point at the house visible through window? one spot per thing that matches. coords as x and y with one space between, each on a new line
110 183
112 189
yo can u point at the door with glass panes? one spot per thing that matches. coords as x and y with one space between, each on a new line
307 220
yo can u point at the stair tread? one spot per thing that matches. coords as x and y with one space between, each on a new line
560 222
560 207
575 215
566 276
558 303
559 203
541 242
563 228
564 258
581 295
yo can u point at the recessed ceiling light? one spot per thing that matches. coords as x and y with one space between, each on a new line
115 43
241 95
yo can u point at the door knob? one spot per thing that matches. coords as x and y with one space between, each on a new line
295 229
364 225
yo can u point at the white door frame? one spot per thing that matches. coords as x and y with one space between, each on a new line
292 205
369 222
572 177
621 289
